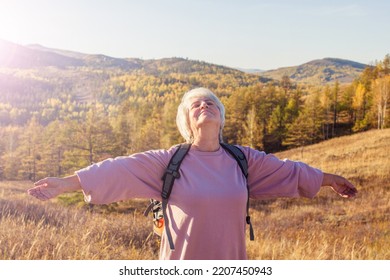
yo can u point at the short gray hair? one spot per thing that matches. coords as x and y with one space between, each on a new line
182 118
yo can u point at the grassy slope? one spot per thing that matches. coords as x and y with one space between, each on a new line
326 227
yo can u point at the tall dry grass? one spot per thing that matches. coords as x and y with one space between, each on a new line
326 227
30 229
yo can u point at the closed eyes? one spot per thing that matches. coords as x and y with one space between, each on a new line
197 104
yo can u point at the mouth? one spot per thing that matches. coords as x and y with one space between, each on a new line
205 111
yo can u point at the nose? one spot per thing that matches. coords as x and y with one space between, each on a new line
204 105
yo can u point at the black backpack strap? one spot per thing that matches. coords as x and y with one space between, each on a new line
243 163
238 156
172 173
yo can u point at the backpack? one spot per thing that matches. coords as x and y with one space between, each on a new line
158 208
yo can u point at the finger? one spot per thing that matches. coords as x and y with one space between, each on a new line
349 192
42 195
37 193
349 184
31 191
41 182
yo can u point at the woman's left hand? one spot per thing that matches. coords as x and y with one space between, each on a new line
340 185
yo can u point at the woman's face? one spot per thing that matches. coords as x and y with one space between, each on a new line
203 111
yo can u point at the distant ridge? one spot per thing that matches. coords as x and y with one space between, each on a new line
319 71
328 61
17 56
35 55
251 71
31 56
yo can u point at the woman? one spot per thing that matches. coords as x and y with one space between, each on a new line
207 207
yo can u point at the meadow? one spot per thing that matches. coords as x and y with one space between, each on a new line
323 228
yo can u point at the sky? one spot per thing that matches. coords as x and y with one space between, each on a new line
251 34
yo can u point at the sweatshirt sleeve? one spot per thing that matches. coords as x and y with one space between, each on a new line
270 177
121 178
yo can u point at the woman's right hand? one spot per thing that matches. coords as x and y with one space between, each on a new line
51 187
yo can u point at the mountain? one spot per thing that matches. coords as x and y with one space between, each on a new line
320 71
34 73
32 56
35 56
250 71
93 60
17 56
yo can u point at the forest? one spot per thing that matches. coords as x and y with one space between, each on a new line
55 120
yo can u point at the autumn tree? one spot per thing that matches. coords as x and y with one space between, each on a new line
381 90
362 101
89 140
335 105
9 143
346 102
54 144
236 111
253 133
30 150
306 128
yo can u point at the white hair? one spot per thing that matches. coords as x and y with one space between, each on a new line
182 117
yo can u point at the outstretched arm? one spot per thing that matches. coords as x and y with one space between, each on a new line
340 185
52 186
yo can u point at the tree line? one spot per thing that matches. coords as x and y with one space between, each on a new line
89 116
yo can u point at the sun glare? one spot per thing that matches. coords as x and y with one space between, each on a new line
16 21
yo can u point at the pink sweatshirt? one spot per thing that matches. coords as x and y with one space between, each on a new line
207 206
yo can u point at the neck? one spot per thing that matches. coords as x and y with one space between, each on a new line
206 142
206 138
205 145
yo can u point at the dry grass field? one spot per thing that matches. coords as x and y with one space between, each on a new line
326 227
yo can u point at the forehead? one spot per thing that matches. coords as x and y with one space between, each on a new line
200 98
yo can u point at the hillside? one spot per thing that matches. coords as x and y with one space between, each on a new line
364 155
37 56
356 228
320 71
31 75
117 106
17 56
